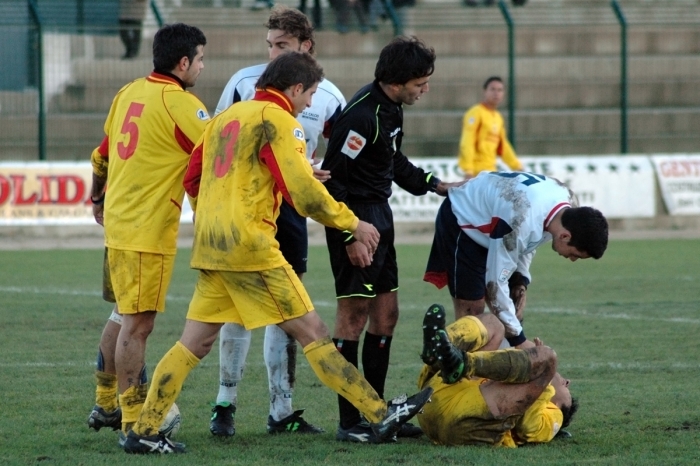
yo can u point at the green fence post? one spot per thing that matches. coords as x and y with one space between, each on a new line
511 70
157 13
34 11
623 74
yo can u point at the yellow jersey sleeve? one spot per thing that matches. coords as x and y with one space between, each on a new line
468 141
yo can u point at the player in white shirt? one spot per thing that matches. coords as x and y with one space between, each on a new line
288 29
486 233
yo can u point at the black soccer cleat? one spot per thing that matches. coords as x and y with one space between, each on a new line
147 444
100 418
399 411
452 362
360 433
433 321
293 423
409 430
222 422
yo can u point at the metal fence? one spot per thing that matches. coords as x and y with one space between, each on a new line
595 79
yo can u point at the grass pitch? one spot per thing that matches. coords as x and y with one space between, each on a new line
625 328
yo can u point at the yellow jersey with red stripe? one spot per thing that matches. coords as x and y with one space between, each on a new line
249 157
484 139
150 132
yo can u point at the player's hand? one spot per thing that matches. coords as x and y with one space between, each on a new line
98 212
442 187
519 296
320 175
359 254
538 342
366 234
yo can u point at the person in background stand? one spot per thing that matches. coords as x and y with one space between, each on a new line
131 15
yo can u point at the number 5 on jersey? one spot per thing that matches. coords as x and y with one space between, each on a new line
130 128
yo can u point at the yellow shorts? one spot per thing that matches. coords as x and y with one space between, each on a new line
251 299
140 279
107 288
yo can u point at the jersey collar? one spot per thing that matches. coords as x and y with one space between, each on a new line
164 76
275 96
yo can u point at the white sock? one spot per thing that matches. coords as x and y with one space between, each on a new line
234 343
281 361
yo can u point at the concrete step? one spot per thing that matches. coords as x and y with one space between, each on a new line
548 82
426 132
19 103
531 94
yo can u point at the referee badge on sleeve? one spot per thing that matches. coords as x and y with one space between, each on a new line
202 114
353 144
299 134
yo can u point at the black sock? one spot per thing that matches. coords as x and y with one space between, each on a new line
349 415
375 360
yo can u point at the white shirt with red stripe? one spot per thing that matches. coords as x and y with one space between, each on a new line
507 212
326 105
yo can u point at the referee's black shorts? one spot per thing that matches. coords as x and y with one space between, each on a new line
379 277
455 259
292 235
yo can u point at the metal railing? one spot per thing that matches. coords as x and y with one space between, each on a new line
580 80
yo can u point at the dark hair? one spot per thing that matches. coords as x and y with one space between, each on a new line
588 228
293 22
403 59
568 412
290 69
174 41
491 79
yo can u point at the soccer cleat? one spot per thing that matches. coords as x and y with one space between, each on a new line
452 362
360 433
293 423
399 411
100 418
121 439
433 321
222 421
409 430
145 444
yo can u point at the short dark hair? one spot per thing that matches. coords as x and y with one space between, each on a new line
568 412
174 41
403 59
491 79
290 69
588 228
293 22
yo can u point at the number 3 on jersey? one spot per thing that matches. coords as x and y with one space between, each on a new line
223 162
129 127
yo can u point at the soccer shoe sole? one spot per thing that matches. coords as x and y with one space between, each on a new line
433 321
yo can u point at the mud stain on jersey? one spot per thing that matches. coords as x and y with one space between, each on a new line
509 192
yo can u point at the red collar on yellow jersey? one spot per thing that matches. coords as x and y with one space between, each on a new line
275 96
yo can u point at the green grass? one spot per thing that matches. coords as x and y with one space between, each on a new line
626 329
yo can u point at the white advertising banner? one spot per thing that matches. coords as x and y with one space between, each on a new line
50 193
679 179
619 186
58 193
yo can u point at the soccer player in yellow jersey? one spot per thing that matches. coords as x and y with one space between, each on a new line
484 134
250 157
487 396
149 134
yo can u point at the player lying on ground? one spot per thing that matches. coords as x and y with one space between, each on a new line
504 398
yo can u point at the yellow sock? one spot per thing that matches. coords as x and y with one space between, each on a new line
342 377
106 391
466 334
168 378
131 402
507 365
